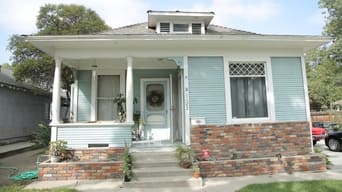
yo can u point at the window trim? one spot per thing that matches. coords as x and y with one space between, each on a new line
269 91
119 72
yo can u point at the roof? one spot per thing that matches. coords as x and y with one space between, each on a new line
143 29
8 80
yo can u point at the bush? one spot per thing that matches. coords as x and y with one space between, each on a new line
42 135
127 165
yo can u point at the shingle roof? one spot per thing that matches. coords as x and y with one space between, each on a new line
7 79
142 29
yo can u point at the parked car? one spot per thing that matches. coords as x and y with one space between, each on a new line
334 141
330 127
318 133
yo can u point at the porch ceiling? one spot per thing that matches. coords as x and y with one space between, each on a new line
121 63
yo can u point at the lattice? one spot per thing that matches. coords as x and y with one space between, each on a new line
248 69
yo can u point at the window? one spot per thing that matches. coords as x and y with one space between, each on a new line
107 89
180 27
196 28
248 90
164 27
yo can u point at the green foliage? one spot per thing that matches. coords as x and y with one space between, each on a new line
58 148
185 156
42 134
31 64
127 164
6 66
70 19
297 186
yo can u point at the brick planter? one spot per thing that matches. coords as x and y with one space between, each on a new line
100 163
261 166
79 170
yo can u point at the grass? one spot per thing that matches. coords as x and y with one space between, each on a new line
17 188
298 186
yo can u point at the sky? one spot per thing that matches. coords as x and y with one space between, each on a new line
287 17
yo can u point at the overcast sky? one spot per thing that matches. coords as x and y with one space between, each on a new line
293 17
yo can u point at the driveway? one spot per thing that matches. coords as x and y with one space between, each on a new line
335 157
23 161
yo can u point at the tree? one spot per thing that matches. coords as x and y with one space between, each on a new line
6 66
324 67
31 64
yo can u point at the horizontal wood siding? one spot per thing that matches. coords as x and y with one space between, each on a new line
84 95
80 137
288 88
207 89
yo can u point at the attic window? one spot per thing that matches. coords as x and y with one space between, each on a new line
164 27
196 28
180 27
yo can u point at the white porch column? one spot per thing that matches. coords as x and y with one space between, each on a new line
129 91
56 98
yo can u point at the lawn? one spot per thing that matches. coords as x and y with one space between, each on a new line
15 188
299 186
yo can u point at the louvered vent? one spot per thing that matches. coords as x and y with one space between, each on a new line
164 27
196 28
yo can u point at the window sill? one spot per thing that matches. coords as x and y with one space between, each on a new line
249 120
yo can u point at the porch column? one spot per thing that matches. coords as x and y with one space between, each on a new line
129 91
56 98
56 94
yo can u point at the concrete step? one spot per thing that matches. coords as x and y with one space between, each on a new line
161 172
145 164
153 156
164 182
153 149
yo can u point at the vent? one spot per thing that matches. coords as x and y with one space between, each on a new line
164 27
92 145
196 28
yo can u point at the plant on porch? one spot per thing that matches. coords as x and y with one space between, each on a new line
120 100
185 156
57 150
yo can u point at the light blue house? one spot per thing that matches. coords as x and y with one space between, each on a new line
195 83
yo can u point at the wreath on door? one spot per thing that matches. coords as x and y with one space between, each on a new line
155 99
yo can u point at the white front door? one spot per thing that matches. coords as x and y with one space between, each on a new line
155 105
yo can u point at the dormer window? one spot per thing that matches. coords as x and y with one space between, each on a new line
164 27
180 28
196 28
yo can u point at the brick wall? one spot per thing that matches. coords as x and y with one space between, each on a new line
261 166
79 170
252 140
105 154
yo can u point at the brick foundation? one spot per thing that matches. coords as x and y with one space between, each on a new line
80 170
99 163
252 140
261 166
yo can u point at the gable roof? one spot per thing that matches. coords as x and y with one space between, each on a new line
142 29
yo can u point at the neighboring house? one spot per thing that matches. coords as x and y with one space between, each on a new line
22 107
234 92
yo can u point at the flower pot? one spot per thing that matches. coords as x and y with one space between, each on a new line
196 174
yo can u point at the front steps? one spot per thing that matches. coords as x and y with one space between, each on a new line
157 167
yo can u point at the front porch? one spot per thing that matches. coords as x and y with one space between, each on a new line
152 102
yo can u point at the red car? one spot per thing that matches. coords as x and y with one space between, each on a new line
318 133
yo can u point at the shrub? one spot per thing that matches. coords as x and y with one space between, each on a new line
42 134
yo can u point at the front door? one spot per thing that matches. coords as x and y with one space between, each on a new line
155 104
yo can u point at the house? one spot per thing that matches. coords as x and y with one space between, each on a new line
23 106
236 93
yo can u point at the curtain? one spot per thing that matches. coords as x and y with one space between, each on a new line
248 96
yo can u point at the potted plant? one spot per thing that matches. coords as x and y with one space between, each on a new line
196 171
120 101
185 156
57 150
